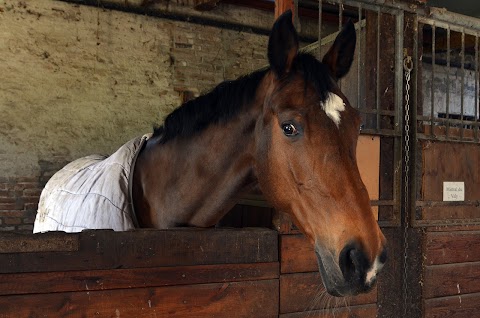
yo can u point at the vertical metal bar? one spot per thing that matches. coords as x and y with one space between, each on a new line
320 29
340 24
378 70
447 106
432 87
399 32
462 91
359 54
413 126
476 119
399 93
340 15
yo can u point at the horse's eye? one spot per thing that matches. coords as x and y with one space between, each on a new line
289 129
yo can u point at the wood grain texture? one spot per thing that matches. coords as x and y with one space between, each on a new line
303 291
296 254
452 247
461 306
438 167
362 311
240 299
28 243
450 212
70 281
451 279
148 248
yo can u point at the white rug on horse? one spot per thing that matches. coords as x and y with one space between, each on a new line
91 193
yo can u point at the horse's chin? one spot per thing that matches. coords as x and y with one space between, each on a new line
332 276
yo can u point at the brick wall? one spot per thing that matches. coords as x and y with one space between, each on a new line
18 202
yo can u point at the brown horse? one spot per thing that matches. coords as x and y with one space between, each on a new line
287 129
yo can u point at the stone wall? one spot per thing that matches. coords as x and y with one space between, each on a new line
77 80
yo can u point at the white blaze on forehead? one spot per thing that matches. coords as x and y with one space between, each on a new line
372 273
332 106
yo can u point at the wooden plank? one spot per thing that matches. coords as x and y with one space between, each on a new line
460 306
454 228
53 282
363 311
390 279
239 299
303 291
149 248
368 159
27 243
452 247
282 6
450 212
451 279
438 167
453 132
386 177
296 254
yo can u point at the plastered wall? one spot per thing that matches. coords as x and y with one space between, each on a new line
77 80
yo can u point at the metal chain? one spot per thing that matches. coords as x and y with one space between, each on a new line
407 66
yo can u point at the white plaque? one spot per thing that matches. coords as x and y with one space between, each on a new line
453 191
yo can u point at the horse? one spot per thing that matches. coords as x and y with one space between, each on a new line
286 129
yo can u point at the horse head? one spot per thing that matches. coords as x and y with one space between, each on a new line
306 158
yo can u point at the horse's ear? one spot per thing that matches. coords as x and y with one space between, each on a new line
282 44
340 56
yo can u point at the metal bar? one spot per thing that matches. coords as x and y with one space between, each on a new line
382 202
475 132
432 87
454 18
377 84
453 27
399 93
340 15
381 132
389 223
413 126
447 106
462 87
327 39
359 57
442 138
373 111
387 7
448 203
448 222
445 120
320 6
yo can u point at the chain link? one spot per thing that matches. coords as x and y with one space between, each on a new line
408 66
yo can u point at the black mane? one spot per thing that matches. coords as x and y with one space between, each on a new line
228 98
219 105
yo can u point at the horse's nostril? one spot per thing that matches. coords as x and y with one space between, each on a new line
353 263
346 262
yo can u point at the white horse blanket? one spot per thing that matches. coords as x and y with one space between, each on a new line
93 192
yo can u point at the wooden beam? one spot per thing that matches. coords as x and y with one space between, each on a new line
282 6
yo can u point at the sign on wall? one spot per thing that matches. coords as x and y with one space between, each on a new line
453 191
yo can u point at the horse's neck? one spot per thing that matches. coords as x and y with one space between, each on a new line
195 181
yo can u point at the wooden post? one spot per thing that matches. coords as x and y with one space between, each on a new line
283 5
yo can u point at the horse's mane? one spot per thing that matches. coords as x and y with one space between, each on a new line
228 98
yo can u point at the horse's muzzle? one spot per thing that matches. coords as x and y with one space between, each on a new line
354 273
